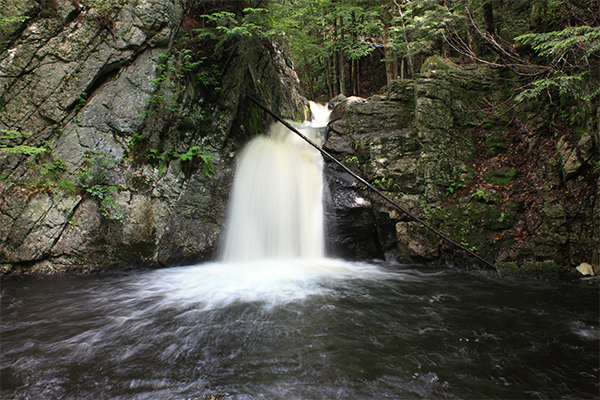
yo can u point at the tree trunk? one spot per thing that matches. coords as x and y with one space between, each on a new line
402 69
309 78
358 77
410 67
328 78
335 61
341 59
389 56
342 72
488 16
470 31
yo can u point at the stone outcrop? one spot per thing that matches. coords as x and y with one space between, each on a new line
127 144
526 201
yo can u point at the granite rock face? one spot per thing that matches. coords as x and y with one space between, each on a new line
134 161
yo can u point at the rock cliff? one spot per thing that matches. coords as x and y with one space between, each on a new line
119 128
451 148
118 135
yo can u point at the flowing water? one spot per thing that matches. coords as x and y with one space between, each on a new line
276 205
298 330
275 319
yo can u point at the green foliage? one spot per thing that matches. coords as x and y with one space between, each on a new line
500 177
225 28
108 204
55 169
582 41
385 182
94 169
419 27
176 69
573 54
162 159
136 139
67 186
353 160
80 101
13 19
12 135
564 84
93 178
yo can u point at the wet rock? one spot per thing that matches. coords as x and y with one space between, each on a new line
417 242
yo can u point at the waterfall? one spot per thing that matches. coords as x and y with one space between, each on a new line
276 204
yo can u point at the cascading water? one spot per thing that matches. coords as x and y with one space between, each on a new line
276 207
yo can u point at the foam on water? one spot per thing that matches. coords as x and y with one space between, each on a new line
267 282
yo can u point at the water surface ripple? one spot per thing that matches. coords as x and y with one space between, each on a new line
289 330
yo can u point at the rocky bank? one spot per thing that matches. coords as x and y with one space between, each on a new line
495 176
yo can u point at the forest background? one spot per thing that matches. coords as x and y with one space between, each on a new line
357 47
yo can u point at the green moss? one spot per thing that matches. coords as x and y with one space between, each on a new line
188 123
496 145
302 114
137 249
253 120
500 177
549 269
528 269
545 270
436 63
486 196
508 269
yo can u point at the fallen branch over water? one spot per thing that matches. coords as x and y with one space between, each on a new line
386 198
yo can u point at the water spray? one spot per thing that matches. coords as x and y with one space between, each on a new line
386 198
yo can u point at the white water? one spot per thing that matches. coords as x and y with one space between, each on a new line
276 206
267 282
274 248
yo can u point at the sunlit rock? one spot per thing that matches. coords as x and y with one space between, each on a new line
585 269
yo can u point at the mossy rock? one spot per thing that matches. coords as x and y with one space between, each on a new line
545 270
500 177
437 63
136 249
486 196
253 120
496 145
187 123
404 91
508 269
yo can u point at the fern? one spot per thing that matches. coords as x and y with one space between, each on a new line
19 149
576 50
583 39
